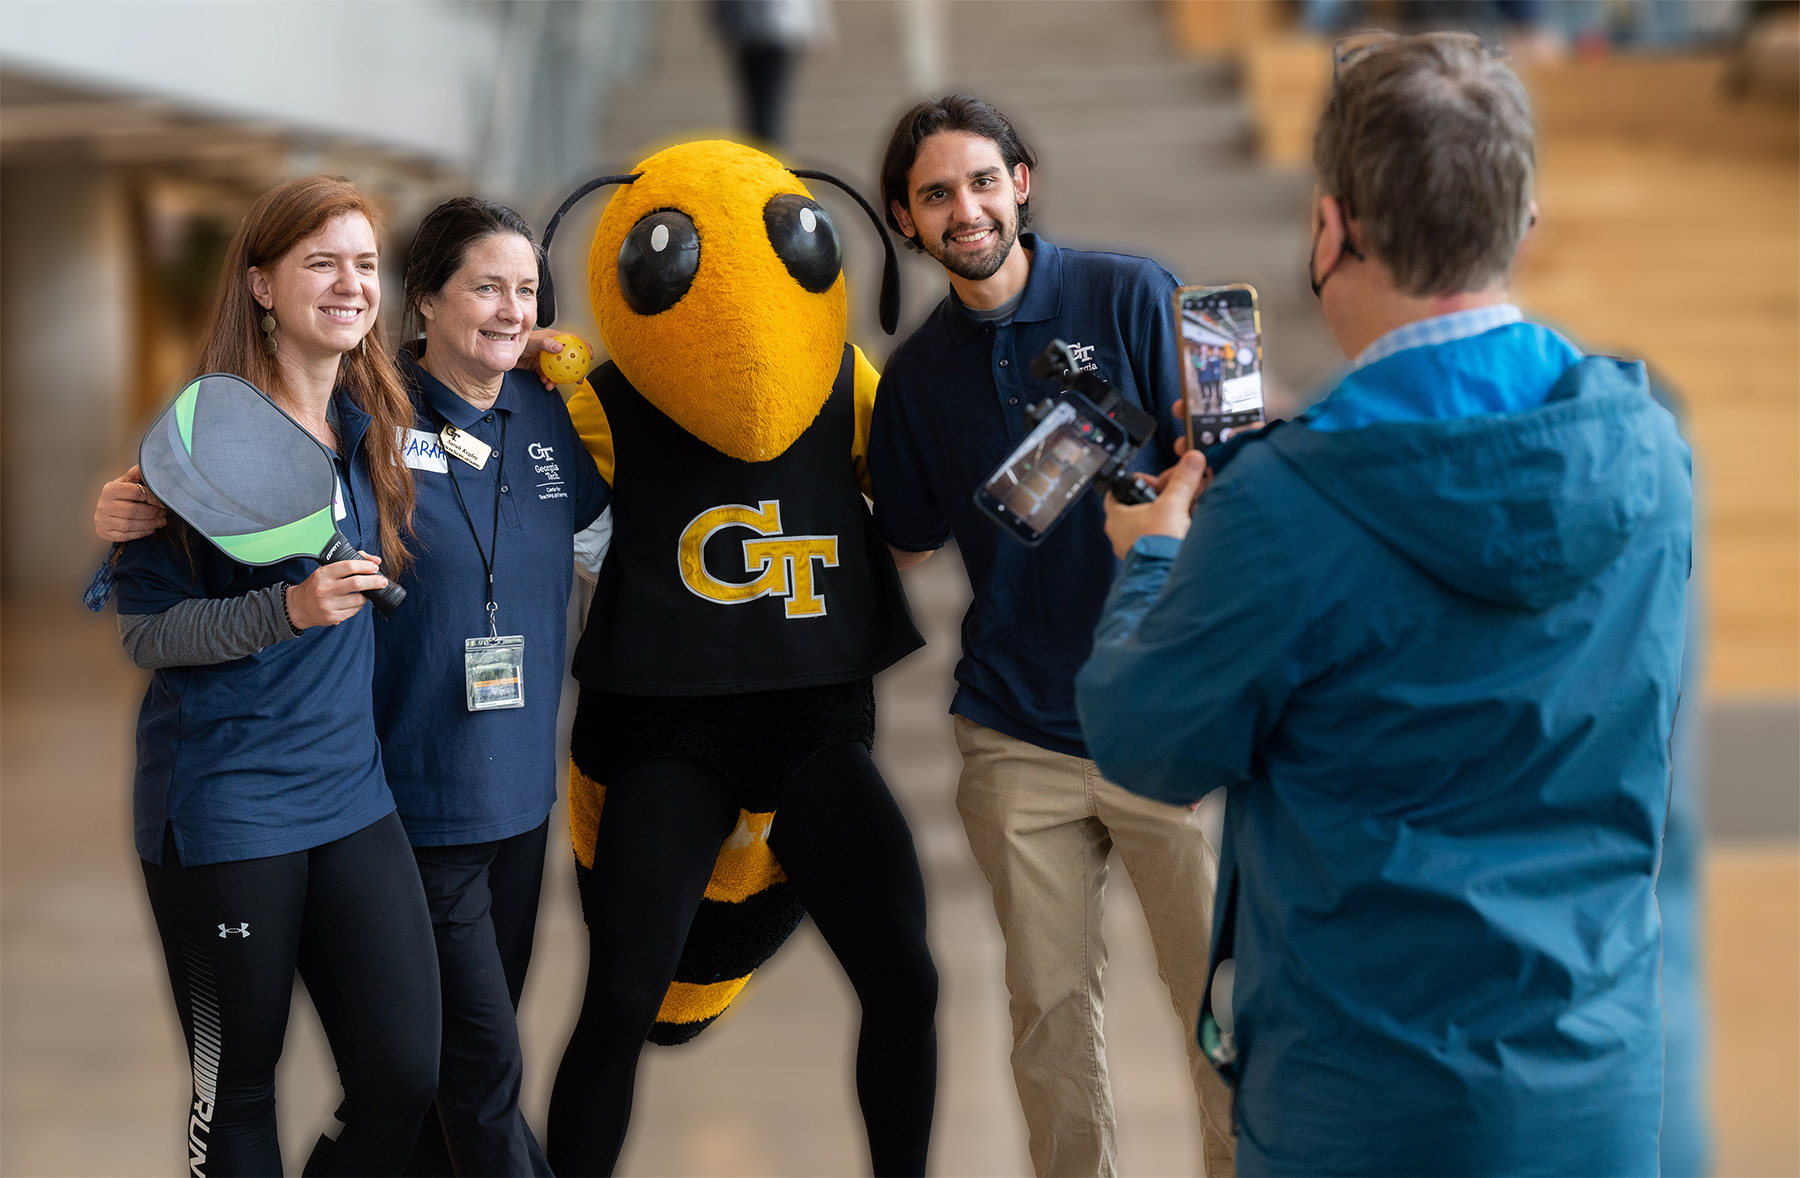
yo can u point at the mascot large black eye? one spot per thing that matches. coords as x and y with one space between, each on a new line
658 261
805 240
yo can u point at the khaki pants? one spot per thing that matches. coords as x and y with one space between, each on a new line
1041 825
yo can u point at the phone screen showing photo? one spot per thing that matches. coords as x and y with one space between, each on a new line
1221 360
1049 470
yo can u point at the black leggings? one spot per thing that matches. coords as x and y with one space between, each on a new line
351 916
846 847
484 908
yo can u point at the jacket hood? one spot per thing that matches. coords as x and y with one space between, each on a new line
1522 509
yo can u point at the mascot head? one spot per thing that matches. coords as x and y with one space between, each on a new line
717 282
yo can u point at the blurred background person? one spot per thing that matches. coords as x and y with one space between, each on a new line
765 39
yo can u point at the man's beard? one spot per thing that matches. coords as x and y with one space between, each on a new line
977 267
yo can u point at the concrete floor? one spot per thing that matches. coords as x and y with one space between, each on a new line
95 1077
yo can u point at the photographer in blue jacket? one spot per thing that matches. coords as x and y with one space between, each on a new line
1427 637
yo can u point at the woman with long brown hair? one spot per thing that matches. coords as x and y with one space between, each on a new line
267 832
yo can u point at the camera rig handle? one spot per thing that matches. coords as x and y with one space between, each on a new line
1130 488
1057 362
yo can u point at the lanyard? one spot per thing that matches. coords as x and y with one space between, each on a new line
487 558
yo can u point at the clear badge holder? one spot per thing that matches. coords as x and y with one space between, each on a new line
494 669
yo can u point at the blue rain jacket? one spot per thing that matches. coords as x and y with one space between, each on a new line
1429 640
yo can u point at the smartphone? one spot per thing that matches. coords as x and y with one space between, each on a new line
1221 360
1051 469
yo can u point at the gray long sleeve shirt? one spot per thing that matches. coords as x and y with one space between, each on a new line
206 630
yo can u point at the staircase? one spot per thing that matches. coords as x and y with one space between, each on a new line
1140 151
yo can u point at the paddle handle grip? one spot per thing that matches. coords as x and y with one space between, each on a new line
388 598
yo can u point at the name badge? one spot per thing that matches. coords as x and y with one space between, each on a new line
422 451
465 446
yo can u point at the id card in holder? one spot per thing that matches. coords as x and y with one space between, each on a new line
494 672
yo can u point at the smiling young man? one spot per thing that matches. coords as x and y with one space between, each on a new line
1040 818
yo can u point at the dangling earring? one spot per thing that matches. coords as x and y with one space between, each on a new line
365 347
268 326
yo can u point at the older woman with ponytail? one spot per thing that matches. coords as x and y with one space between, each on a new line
268 835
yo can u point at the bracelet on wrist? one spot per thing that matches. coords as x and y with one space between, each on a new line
285 615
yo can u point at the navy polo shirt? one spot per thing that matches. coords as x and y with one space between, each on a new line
472 777
275 752
951 406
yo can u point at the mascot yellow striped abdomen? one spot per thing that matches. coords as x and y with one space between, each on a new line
749 910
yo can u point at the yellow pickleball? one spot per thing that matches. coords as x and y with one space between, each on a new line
568 365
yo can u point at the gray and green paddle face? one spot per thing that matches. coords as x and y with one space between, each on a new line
241 472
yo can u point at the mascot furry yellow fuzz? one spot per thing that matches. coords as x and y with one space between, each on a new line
720 762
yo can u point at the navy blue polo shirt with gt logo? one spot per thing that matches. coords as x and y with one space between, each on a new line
951 407
460 776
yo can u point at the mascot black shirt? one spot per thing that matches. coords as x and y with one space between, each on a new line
727 576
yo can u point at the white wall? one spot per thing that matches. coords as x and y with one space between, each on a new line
411 74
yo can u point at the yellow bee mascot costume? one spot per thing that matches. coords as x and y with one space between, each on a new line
721 776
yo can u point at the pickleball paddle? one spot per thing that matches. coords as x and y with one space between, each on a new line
248 477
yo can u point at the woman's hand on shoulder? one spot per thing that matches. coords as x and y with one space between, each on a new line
334 592
127 510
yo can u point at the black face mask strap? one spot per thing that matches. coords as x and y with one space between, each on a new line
890 269
546 301
1312 275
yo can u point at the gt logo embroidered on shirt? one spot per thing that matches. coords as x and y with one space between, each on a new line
549 473
242 930
782 565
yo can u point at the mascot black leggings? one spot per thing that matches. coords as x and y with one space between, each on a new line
350 915
846 847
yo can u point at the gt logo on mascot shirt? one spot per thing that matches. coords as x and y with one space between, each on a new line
782 565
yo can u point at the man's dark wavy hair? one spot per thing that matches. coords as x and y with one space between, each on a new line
953 112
